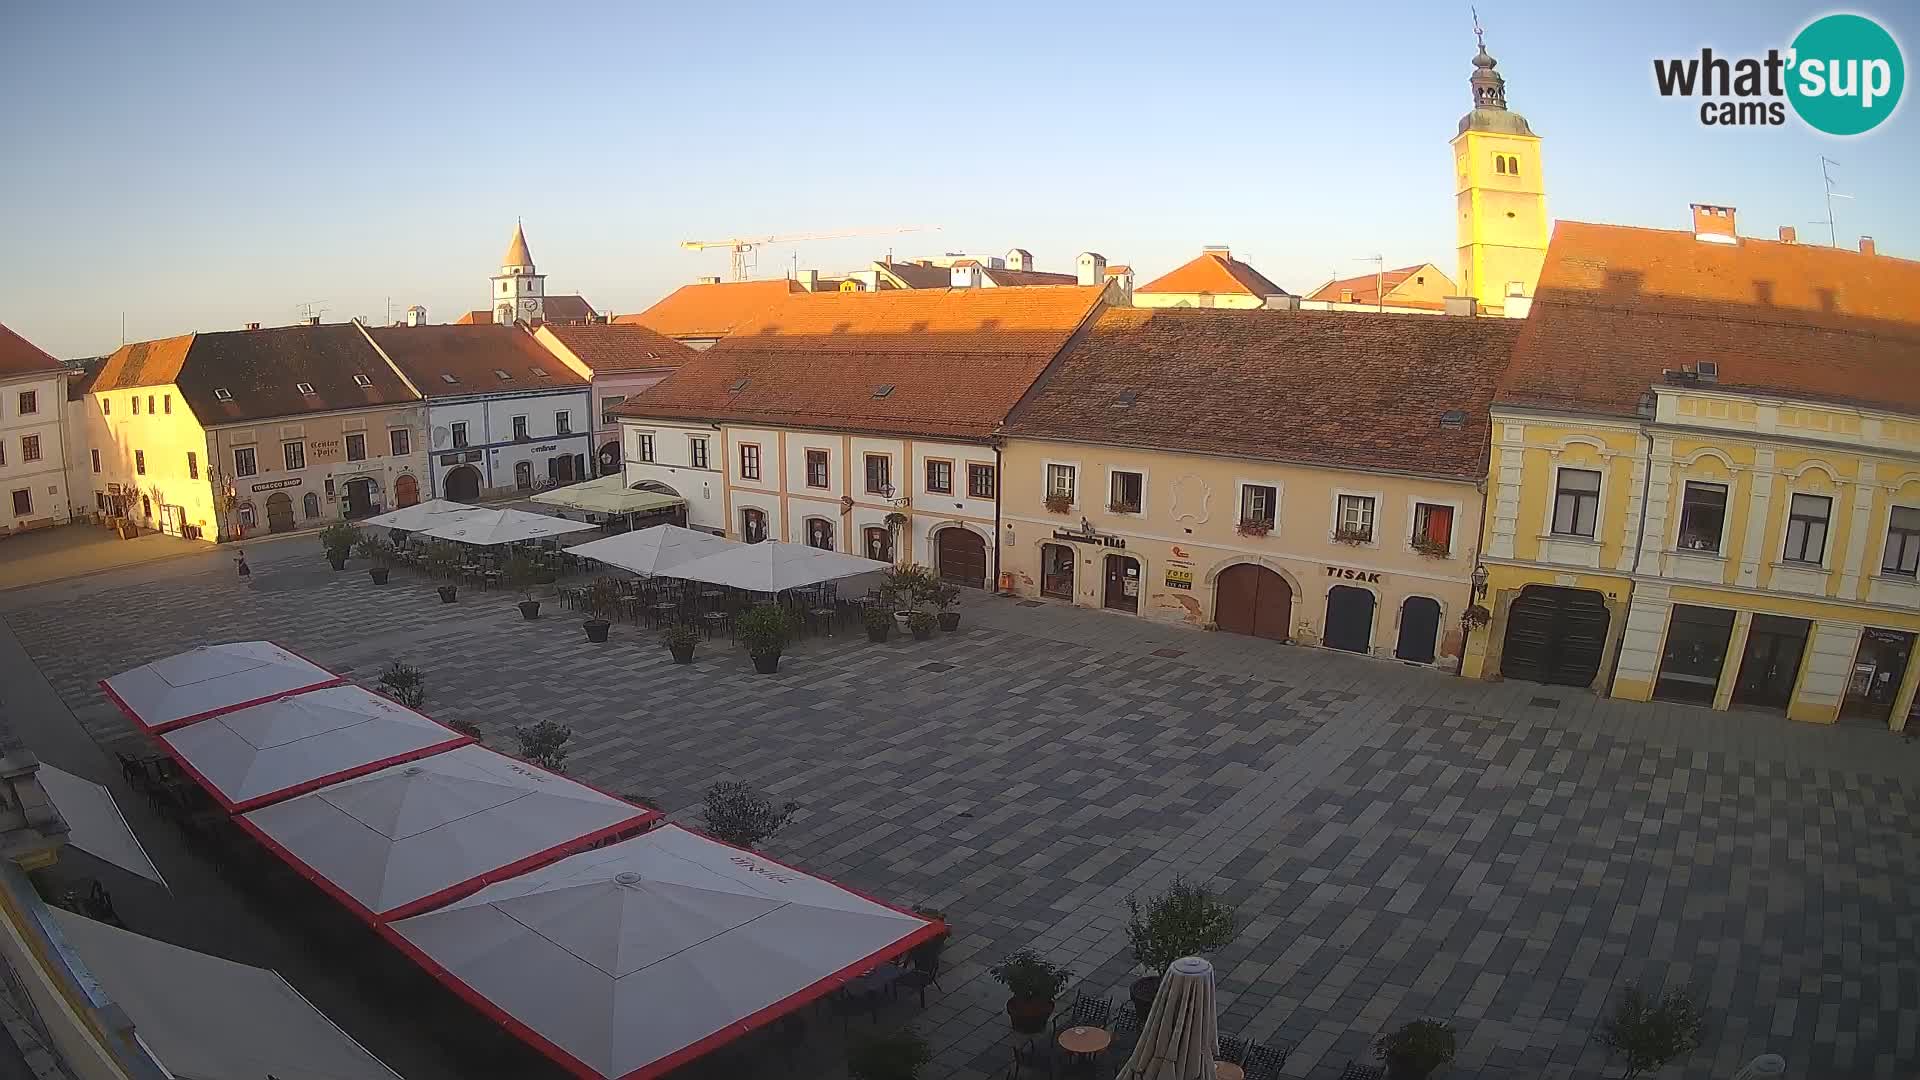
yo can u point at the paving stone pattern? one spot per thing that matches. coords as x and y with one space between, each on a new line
1399 843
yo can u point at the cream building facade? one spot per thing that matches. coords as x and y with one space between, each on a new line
33 436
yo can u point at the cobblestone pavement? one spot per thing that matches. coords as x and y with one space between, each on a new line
1400 843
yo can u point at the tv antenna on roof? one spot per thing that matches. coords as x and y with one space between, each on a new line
312 309
1379 278
1826 177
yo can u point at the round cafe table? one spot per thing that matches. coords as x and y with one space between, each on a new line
1085 1041
1227 1070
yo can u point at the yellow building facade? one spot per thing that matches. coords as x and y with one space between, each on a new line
1501 202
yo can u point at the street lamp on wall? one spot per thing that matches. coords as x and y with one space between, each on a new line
1479 582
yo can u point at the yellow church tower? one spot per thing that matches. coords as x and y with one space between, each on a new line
1502 198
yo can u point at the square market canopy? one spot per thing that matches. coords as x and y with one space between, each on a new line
211 680
419 516
486 528
655 550
607 495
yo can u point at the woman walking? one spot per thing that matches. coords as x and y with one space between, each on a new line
246 572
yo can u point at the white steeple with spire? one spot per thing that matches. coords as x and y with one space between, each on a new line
519 292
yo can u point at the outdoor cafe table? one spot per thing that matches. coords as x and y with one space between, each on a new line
1227 1070
1085 1041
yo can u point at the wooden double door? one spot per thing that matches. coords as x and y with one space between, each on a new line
1253 600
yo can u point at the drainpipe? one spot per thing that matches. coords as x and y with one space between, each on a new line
998 482
1639 542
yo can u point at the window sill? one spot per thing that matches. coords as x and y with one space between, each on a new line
1570 538
1796 564
1698 553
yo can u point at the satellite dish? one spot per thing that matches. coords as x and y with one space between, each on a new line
440 436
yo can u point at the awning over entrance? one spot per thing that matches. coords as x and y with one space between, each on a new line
608 495
211 680
212 1019
94 822
632 959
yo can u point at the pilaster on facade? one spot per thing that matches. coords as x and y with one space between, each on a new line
1858 530
1649 492
1753 546
1736 652
1509 469
1642 640
1829 664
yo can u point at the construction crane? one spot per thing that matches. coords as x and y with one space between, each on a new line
739 247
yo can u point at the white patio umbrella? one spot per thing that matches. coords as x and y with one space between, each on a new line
421 515
488 527
205 1018
94 822
288 746
410 837
654 550
633 959
1181 1033
210 680
772 568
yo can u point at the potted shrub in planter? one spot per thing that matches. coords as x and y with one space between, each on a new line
737 814
894 1055
544 744
909 585
946 597
680 639
377 550
1414 1051
879 623
1651 1034
520 574
765 628
1186 920
601 600
406 685
921 623
338 540
1032 982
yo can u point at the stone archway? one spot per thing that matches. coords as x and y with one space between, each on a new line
462 484
961 556
279 512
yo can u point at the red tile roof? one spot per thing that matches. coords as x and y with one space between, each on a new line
1332 388
260 371
558 309
956 361
712 310
616 347
475 356
1005 278
1616 306
18 356
1216 273
1365 289
916 276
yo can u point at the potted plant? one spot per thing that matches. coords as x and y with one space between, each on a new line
737 814
908 585
520 574
1475 617
765 629
601 600
680 639
544 744
1032 982
338 540
1254 526
946 597
1058 502
1431 548
1352 536
377 550
1186 920
892 1055
406 685
921 623
1649 1034
879 623
1418 1048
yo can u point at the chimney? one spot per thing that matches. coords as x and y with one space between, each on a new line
416 316
1222 250
713 279
1713 224
1788 235
313 320
1866 245
1019 259
1093 268
1462 305
808 279
253 326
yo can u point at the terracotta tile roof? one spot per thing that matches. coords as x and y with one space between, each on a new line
1365 288
916 276
18 356
559 309
956 361
1617 305
1333 388
712 310
615 347
1020 278
260 371
1213 272
475 356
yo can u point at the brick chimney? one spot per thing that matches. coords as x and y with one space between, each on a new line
1713 224
707 280
1866 245
1788 236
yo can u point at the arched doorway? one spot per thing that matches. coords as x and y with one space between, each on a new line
462 484
1253 600
1419 629
879 543
360 497
1123 583
1555 635
310 506
962 556
523 474
279 512
406 490
820 533
1056 571
609 458
1349 619
753 525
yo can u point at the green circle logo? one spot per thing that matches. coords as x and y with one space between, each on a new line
1847 74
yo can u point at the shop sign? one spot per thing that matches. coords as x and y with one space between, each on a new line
275 485
1370 577
547 449
324 449
1088 536
1180 552
1179 579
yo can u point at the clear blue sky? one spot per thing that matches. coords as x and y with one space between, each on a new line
199 167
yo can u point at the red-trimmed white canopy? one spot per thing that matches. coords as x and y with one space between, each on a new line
633 959
211 680
288 746
411 837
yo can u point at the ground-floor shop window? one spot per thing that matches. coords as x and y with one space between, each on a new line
1696 651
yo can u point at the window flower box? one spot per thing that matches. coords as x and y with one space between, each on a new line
1059 503
1352 537
1432 549
1118 506
1254 526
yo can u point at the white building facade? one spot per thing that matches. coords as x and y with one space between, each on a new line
496 444
33 448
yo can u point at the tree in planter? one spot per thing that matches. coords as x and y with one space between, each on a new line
680 640
602 601
520 573
406 685
377 550
1032 982
743 817
1650 1035
765 628
338 540
1417 1049
879 623
544 744
895 1055
946 596
1186 920
921 623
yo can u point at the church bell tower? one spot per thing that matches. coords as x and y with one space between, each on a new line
1500 197
519 292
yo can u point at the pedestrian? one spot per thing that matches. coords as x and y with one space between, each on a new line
246 572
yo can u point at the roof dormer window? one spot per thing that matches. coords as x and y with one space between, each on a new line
362 380
448 378
538 372
304 387
503 376
221 393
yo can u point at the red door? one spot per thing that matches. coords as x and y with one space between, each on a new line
1253 600
963 557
